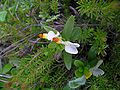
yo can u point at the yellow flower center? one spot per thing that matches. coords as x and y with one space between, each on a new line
44 35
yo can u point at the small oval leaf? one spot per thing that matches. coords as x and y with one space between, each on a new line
6 68
3 16
78 63
78 73
68 28
67 60
77 82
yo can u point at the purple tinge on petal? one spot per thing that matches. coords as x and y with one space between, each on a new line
51 35
97 72
76 44
71 49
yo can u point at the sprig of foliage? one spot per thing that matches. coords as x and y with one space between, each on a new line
102 11
99 43
91 8
46 5
34 67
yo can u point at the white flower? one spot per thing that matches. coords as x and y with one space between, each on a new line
70 47
97 71
51 35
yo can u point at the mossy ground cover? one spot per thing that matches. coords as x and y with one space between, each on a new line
31 62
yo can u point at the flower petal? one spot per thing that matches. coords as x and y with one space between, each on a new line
71 49
57 34
51 35
76 44
44 35
97 72
99 63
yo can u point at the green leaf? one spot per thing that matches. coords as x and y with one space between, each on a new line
77 82
6 68
68 28
81 69
78 73
92 53
75 34
78 63
92 58
3 16
67 60
86 70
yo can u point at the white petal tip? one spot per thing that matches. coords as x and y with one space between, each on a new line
71 51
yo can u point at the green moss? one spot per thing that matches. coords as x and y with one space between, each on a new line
40 65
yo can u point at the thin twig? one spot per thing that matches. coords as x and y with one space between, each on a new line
3 81
28 26
14 44
36 55
74 10
12 49
5 76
